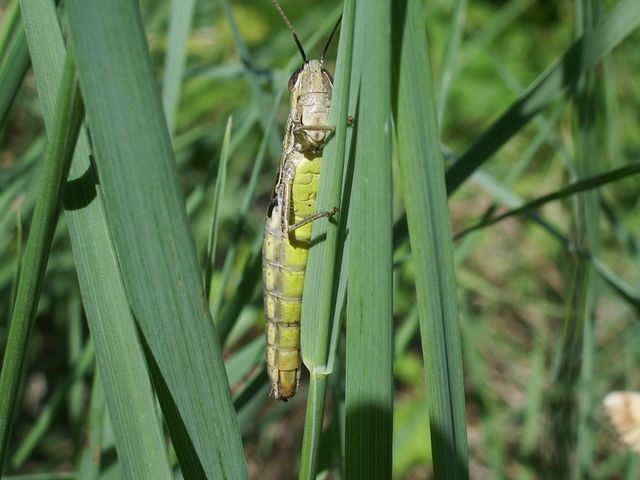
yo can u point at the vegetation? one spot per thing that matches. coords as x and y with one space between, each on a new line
465 313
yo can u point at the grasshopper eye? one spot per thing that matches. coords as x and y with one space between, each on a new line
294 79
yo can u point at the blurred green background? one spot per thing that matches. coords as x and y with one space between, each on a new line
518 283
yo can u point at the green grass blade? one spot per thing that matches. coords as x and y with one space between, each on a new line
75 400
69 114
221 179
179 26
618 285
498 24
254 82
150 231
46 416
533 409
580 186
450 57
586 213
369 363
239 365
590 49
248 284
318 306
19 257
10 20
320 290
516 171
89 463
240 224
480 381
422 178
12 72
562 404
127 388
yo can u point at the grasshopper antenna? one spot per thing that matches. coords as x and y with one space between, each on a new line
333 32
293 32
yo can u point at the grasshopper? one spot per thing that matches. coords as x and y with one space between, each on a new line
287 233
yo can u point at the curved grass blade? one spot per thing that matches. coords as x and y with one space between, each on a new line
584 185
425 198
587 51
69 115
150 232
617 284
140 443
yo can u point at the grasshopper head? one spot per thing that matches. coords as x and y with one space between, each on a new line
310 88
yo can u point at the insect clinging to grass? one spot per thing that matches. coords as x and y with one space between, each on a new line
287 233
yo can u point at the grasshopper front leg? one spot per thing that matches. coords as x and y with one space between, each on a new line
311 128
311 137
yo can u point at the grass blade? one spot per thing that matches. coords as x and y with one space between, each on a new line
10 20
141 446
583 185
450 56
254 82
318 305
369 362
425 198
615 282
320 289
69 115
239 227
179 27
589 154
89 463
215 210
587 51
150 231
12 72
40 427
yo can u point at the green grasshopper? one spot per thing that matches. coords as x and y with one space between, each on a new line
287 233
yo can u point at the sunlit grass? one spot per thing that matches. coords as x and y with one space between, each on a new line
509 335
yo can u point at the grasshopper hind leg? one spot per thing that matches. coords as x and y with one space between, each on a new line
312 218
288 173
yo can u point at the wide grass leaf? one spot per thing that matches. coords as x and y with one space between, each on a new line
369 357
141 447
147 219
